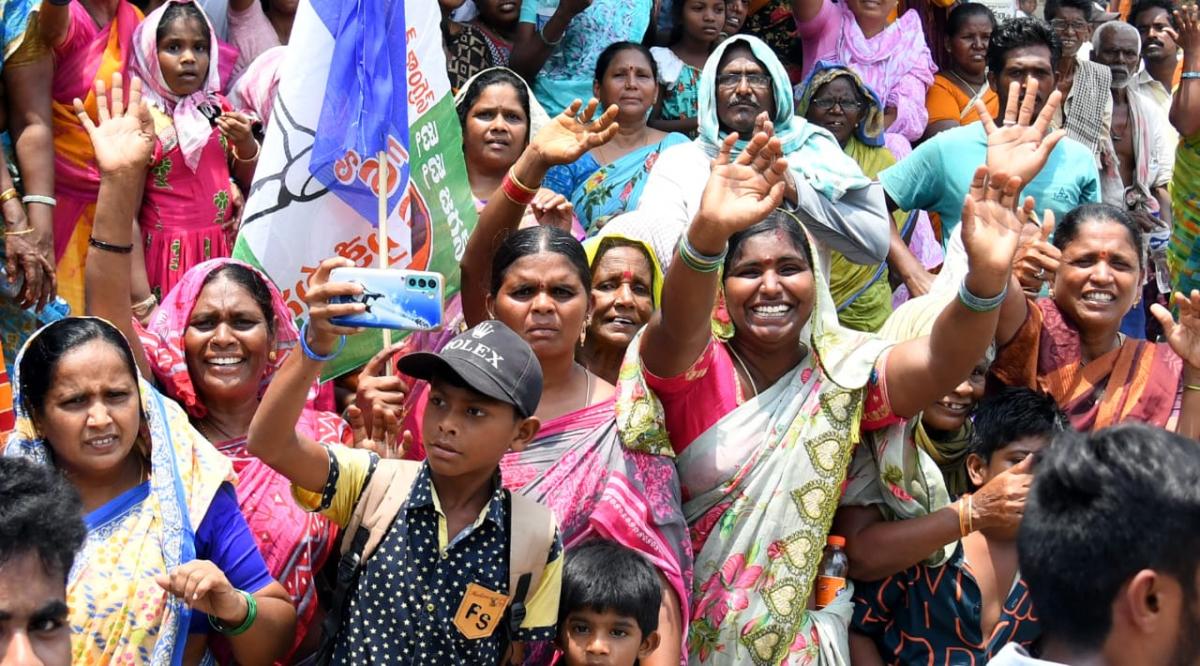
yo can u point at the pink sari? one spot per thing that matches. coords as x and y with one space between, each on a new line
90 52
294 542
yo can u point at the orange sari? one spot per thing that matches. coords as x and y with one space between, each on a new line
90 52
1138 381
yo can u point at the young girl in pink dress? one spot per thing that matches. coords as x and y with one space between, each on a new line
187 215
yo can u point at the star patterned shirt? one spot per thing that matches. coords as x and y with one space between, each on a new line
410 589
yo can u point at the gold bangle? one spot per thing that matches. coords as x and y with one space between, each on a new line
970 510
10 193
19 233
512 175
1191 387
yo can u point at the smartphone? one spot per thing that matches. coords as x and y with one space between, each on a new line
397 299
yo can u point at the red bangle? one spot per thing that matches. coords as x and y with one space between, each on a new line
515 192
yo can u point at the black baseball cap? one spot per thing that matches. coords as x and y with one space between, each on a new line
491 359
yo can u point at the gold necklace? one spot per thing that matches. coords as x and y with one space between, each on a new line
742 365
975 92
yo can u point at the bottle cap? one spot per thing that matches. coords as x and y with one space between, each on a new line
835 540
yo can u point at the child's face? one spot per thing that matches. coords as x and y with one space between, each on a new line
703 19
590 638
1003 459
466 432
183 54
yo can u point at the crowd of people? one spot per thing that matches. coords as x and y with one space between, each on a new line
752 282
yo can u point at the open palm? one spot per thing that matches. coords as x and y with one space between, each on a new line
1021 145
991 231
743 192
1184 335
572 133
124 138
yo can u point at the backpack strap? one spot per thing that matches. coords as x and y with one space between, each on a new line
378 505
531 537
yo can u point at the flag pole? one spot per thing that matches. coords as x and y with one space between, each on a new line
383 233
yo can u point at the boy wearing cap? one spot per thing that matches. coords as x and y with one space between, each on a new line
446 553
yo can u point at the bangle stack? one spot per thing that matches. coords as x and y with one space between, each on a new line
516 191
10 193
308 351
976 304
251 615
701 263
966 506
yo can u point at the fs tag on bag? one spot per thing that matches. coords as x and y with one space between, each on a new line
480 612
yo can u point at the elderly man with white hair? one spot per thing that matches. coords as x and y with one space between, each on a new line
1137 162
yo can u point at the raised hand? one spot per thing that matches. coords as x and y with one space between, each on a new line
1037 259
1188 35
239 131
552 209
123 141
743 192
1184 335
1019 148
387 442
991 230
573 132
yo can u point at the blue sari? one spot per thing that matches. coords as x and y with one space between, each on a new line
602 192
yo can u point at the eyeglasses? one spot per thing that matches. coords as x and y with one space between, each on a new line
826 103
753 79
1073 26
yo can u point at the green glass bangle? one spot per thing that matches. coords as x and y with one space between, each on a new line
251 615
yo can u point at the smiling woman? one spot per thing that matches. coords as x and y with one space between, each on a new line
212 345
1070 346
156 496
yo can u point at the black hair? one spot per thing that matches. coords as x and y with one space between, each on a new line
254 285
486 80
1052 6
1011 414
536 240
39 512
603 576
964 12
47 348
1102 507
1017 33
613 242
1146 5
176 11
778 220
610 53
1068 230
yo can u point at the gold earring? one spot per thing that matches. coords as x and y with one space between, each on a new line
272 355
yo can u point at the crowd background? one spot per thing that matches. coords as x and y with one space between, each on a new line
787 269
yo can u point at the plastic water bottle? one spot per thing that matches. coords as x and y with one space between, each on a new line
831 577
54 310
1156 252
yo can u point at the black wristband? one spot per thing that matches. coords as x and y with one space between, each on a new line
59 3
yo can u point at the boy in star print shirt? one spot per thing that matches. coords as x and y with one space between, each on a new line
449 545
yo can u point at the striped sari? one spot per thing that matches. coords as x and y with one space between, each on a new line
1138 381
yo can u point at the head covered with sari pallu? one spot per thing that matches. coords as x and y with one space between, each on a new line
761 487
871 126
118 614
294 543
